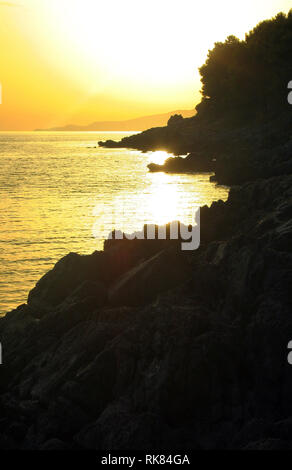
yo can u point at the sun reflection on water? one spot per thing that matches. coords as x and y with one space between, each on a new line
158 157
164 198
61 193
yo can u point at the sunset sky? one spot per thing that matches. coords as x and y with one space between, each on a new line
78 61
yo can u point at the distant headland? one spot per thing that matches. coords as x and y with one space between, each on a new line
137 124
145 346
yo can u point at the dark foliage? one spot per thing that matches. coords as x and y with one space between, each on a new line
247 77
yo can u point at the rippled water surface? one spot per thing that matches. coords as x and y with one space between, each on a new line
61 193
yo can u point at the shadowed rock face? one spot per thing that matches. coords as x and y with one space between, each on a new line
143 282
236 151
174 138
77 277
145 346
192 163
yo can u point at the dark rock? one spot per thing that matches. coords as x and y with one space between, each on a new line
194 352
94 292
268 444
55 444
109 144
67 275
192 163
145 431
238 151
143 282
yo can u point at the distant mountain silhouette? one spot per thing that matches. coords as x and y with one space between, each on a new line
137 124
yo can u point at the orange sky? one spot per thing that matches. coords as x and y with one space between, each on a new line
78 61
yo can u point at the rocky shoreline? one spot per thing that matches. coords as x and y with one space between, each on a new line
192 163
235 151
145 346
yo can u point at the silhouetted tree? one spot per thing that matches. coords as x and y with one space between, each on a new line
249 77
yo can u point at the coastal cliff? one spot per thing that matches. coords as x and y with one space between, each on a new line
242 129
235 152
146 346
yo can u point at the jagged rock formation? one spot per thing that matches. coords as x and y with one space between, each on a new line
235 152
144 345
193 163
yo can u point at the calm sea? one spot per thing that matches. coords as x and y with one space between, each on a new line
61 193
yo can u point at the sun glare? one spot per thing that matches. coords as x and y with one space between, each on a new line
158 157
86 60
153 44
163 203
158 41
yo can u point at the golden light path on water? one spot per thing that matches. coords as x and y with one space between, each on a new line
60 192
162 201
